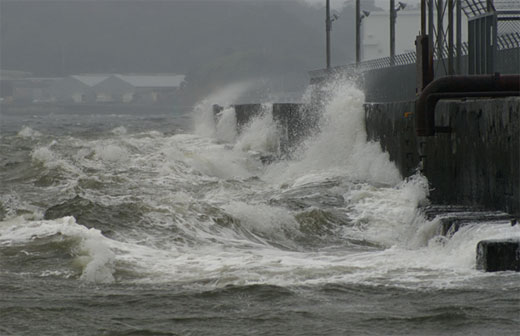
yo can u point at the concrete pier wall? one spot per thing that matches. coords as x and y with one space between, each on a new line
295 121
476 164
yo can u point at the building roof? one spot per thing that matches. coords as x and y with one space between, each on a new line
90 80
13 74
152 81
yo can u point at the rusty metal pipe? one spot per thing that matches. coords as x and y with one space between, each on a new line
460 87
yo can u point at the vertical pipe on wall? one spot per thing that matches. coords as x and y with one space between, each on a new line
450 37
431 33
440 29
459 36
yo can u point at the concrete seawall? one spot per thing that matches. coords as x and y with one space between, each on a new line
476 164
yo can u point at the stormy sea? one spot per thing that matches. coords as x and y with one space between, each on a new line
169 222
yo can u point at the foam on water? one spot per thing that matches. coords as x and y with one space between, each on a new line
27 132
111 152
121 130
91 249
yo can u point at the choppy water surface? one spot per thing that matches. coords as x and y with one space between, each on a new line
147 224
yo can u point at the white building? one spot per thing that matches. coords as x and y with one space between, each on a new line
376 32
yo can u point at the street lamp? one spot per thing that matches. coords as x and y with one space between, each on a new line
393 17
359 18
328 28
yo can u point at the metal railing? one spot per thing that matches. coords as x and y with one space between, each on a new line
479 7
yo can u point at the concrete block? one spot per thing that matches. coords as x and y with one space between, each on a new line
498 255
245 113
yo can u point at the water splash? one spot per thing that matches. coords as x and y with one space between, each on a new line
203 117
341 147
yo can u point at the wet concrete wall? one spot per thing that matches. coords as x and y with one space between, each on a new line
294 121
476 164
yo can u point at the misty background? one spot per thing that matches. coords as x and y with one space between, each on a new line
213 43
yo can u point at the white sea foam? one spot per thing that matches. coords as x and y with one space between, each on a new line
44 155
111 152
27 132
92 252
51 158
121 130
265 221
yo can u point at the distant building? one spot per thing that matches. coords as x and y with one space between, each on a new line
146 89
93 88
154 88
75 89
113 89
32 90
376 32
8 80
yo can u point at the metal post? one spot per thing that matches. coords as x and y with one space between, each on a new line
327 31
392 32
450 37
490 7
431 33
358 31
423 17
459 37
440 29
424 59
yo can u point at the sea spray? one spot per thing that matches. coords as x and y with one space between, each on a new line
260 134
340 148
203 114
226 127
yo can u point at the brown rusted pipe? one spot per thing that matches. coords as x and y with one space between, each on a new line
458 87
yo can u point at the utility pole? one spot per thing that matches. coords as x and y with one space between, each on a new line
328 27
359 19
358 33
440 30
393 18
423 48
451 41
459 36
392 32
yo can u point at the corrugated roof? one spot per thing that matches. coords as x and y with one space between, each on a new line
153 81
